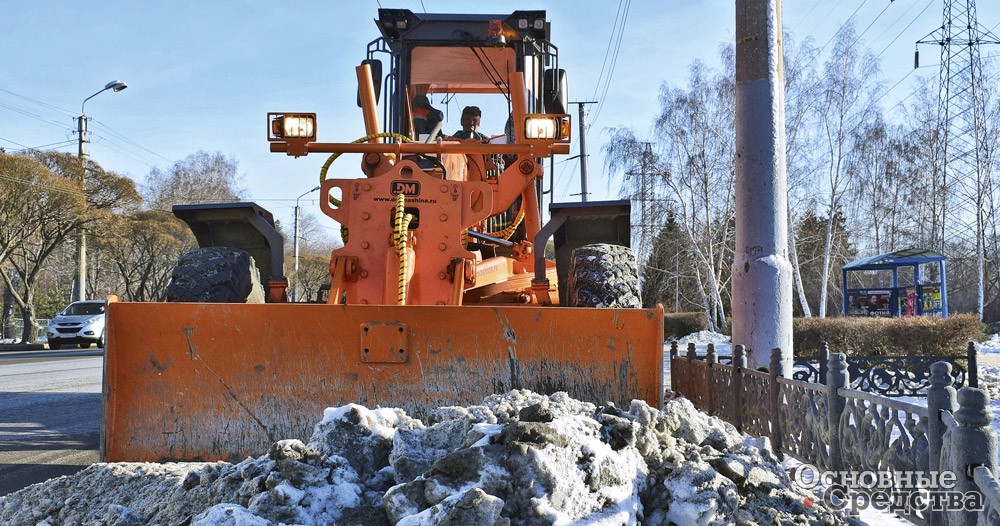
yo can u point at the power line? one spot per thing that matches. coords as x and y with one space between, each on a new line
130 141
14 142
121 150
847 22
905 28
811 9
884 9
556 181
914 91
607 52
32 115
47 147
40 103
614 62
826 18
27 182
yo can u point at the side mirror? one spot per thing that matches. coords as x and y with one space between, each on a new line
555 91
376 67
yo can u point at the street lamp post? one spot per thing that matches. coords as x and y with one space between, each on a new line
80 279
295 244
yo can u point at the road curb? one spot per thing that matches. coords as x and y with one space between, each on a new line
22 347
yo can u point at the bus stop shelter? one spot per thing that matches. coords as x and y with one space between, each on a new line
909 282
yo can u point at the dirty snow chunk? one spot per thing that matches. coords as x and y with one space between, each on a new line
989 381
472 507
474 413
508 406
364 438
559 471
101 493
686 422
381 422
487 431
414 451
699 495
228 515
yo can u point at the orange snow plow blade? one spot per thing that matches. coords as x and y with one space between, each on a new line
189 381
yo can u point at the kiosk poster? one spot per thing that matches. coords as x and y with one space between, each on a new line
908 302
869 303
931 298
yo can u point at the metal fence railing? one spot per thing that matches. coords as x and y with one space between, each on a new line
944 454
16 327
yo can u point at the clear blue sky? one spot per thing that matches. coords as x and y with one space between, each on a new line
203 74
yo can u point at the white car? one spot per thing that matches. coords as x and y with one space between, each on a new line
81 323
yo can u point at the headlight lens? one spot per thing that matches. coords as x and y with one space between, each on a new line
535 128
294 126
546 127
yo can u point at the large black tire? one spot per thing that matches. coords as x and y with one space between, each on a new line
603 276
215 275
55 345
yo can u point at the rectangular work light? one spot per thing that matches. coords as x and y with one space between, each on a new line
295 130
293 125
552 127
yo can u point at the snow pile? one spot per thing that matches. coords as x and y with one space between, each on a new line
723 347
989 381
991 346
520 458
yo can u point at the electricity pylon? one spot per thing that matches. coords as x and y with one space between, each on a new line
964 176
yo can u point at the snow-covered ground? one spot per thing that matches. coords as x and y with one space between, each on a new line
991 346
519 458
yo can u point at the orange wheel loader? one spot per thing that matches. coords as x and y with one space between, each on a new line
441 294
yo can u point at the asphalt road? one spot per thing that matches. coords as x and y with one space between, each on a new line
50 415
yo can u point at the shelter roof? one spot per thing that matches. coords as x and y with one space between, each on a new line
909 256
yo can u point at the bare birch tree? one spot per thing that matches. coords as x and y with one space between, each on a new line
695 167
850 79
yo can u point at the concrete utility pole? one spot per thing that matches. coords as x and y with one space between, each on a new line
584 156
295 245
762 274
80 276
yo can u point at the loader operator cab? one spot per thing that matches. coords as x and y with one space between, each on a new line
466 60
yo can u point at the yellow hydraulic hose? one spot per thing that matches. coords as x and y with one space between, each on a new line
401 228
506 233
511 228
326 166
366 138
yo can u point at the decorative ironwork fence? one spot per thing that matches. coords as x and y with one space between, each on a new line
840 429
885 375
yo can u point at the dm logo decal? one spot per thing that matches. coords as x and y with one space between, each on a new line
407 188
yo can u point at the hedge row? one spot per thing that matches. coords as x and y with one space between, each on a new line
923 335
